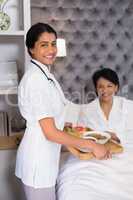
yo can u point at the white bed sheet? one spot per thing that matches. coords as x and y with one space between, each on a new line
110 179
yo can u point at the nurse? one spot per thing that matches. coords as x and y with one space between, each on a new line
42 104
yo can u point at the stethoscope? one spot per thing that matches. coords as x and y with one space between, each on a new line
49 79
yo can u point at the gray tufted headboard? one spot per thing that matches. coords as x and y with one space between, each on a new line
98 33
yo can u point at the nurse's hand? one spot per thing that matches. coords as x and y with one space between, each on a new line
101 152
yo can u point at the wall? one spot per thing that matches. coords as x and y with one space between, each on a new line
98 33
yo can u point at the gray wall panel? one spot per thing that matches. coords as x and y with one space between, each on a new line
98 33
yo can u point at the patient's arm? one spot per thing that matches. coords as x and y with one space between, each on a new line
99 151
114 136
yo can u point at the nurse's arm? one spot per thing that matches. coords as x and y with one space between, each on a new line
55 135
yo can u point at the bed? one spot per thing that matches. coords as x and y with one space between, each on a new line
110 179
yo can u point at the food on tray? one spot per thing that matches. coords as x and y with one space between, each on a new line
75 129
87 133
98 136
71 131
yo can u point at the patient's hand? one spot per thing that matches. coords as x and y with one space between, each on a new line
101 152
114 136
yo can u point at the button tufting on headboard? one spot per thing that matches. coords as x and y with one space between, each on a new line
98 33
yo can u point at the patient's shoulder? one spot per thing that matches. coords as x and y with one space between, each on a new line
123 99
93 104
126 105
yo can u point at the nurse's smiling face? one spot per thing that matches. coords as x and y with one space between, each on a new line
45 49
105 89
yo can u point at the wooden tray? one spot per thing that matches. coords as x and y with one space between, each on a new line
113 147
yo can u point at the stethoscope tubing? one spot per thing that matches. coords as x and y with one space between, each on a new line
49 79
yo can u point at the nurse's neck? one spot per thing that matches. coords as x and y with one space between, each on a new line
49 67
106 107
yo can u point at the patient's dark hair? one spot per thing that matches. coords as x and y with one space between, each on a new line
107 74
35 32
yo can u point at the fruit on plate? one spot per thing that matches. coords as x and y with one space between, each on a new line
80 129
76 131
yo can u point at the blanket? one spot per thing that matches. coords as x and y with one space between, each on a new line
110 179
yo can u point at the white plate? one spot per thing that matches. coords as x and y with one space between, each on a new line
89 135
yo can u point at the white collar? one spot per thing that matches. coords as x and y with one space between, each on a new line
42 66
50 76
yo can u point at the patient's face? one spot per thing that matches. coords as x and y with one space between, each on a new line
106 89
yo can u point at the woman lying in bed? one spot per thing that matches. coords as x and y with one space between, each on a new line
102 179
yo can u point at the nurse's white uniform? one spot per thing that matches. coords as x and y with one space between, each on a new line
37 158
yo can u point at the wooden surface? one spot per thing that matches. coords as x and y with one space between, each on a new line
113 147
10 142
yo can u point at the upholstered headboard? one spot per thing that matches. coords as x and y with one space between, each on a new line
98 33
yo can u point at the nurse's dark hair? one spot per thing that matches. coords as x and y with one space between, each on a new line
35 32
107 74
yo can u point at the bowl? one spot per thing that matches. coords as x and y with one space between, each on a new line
98 136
